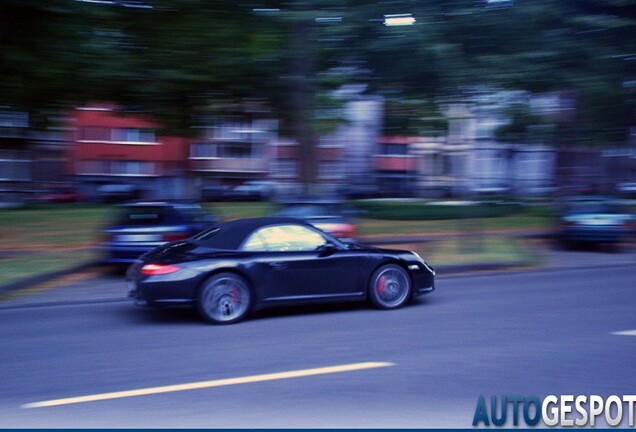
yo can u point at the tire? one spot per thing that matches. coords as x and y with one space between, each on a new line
390 287
225 298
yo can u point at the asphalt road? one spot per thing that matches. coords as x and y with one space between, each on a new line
535 332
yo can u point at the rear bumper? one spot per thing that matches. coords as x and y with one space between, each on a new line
162 290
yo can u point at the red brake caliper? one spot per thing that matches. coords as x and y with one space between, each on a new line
235 296
381 283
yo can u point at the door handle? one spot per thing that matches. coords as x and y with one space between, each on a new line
278 265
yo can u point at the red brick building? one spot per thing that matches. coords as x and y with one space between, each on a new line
110 147
396 165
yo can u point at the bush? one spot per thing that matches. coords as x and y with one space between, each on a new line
418 210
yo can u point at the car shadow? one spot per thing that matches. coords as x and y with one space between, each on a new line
189 315
160 316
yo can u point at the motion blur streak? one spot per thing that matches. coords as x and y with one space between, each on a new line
208 384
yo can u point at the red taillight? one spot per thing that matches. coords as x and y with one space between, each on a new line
170 237
158 269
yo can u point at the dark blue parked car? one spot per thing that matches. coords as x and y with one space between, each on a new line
142 226
594 220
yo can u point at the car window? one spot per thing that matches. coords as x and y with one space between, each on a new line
192 213
284 238
594 207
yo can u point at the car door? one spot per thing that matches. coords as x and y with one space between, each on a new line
299 263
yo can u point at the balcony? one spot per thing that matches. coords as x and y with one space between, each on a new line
396 163
229 165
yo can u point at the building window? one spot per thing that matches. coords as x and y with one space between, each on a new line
203 150
236 150
133 135
394 149
132 168
285 168
15 170
122 168
330 169
91 133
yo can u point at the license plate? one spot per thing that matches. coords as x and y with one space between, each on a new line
136 237
597 222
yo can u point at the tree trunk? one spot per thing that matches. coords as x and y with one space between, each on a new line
303 97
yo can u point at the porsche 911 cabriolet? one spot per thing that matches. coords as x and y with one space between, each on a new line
237 267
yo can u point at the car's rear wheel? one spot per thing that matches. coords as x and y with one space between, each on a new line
224 299
390 287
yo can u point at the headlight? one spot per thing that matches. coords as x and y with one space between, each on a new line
417 255
427 265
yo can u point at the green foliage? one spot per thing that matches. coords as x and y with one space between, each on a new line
414 117
176 58
524 126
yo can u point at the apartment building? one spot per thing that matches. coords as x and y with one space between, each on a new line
109 147
232 150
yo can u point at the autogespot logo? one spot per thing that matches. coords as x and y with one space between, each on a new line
563 410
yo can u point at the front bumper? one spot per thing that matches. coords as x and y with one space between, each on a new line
594 234
423 278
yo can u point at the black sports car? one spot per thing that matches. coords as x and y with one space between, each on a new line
239 266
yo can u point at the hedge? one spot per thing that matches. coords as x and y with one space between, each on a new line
416 210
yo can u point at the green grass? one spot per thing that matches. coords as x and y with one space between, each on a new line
51 228
371 227
472 251
14 268
422 210
229 211
65 235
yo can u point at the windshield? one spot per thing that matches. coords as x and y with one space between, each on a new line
594 207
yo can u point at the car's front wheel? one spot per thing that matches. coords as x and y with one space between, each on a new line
224 299
390 287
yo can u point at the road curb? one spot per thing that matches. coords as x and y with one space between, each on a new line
34 280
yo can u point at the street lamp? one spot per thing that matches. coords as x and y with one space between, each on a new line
398 20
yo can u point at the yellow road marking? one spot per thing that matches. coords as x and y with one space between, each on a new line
208 384
625 333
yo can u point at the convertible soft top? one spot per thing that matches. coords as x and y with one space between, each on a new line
230 235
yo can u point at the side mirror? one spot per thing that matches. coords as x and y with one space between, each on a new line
327 249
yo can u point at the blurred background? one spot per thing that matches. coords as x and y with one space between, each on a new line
472 122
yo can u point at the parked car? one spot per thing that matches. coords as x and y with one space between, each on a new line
627 189
594 220
253 190
240 266
359 191
117 193
332 216
142 226
215 193
61 195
